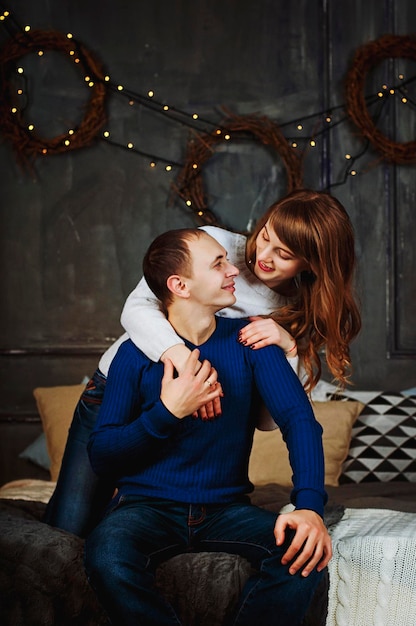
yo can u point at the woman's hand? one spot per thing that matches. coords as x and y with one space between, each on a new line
178 355
263 332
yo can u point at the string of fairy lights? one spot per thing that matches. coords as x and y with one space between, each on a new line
322 121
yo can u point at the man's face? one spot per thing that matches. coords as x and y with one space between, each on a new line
212 280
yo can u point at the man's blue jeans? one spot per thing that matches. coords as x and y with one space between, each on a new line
138 533
80 497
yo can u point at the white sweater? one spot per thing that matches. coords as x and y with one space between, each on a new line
148 327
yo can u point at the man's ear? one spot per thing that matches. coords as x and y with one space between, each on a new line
178 286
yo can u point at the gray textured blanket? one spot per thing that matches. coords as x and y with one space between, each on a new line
42 579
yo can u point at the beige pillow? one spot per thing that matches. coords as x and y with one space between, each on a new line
56 407
269 461
269 458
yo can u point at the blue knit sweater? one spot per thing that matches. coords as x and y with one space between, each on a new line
148 451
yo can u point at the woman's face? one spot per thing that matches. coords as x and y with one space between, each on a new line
276 265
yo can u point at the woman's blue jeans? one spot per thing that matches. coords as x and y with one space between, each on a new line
122 552
80 497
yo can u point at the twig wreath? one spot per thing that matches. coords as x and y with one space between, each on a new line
365 58
189 184
27 143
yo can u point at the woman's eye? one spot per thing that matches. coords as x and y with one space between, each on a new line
284 256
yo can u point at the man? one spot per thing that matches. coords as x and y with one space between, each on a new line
182 481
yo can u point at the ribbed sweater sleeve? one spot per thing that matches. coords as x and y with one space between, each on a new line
287 402
127 429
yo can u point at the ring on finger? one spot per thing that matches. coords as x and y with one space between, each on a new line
208 382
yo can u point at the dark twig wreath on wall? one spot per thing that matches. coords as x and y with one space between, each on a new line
27 143
365 58
189 184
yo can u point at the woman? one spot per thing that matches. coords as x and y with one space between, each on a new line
296 269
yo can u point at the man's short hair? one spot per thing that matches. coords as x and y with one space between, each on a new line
167 255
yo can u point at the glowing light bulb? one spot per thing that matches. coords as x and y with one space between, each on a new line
106 78
87 78
195 166
299 127
328 119
27 28
44 151
69 35
19 92
380 94
348 156
227 137
312 143
131 102
188 203
106 134
168 168
150 94
20 70
166 108
130 145
71 131
404 100
67 142
401 76
14 110
200 213
91 84
152 164
195 116
40 53
218 131
120 87
294 144
353 173
31 127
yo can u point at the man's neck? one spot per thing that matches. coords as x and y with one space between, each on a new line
195 326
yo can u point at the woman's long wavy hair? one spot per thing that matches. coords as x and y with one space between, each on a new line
324 314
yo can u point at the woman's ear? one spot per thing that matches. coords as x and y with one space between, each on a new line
308 276
178 286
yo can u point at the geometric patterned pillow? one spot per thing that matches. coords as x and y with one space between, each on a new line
383 439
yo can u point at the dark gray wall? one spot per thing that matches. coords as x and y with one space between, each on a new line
73 231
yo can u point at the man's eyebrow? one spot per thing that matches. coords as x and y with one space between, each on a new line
219 257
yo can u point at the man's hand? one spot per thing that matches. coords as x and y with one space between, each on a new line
194 387
311 544
179 355
263 332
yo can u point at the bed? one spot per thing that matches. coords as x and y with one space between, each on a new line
371 514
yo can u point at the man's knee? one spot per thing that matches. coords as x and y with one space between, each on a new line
110 561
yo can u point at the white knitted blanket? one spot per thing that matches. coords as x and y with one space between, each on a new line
373 570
